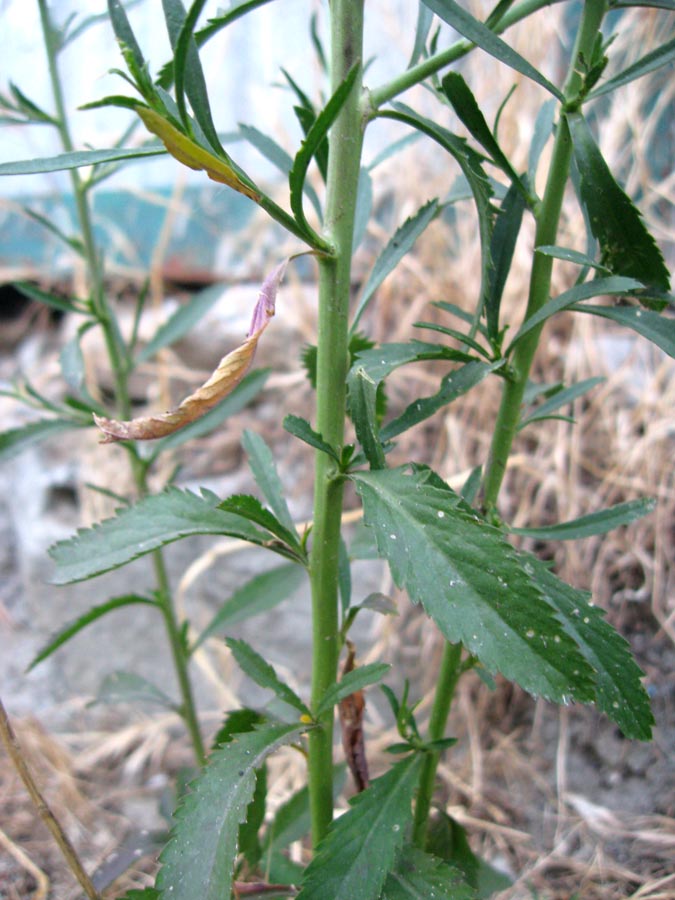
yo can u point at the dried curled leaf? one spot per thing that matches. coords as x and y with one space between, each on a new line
224 380
351 710
185 150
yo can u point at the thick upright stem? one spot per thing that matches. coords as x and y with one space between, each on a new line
334 293
540 278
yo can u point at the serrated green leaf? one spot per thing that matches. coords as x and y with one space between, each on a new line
252 509
464 103
453 385
127 687
198 861
260 594
595 523
362 409
619 692
487 40
558 398
263 467
248 388
350 683
651 61
16 440
360 849
574 256
253 665
317 133
611 286
249 840
151 523
419 876
627 247
504 238
398 246
96 612
447 840
75 160
471 582
658 329
301 429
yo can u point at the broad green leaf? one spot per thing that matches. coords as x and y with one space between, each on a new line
487 40
253 665
658 329
574 256
199 859
144 894
504 238
471 582
127 687
543 128
248 388
619 692
350 683
317 133
611 286
448 841
399 245
263 467
558 398
464 103
17 439
96 612
419 876
300 428
627 247
471 164
151 523
453 385
75 160
181 321
360 849
362 409
260 594
661 56
595 523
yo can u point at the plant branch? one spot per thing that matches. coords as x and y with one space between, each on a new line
42 807
547 218
438 61
332 363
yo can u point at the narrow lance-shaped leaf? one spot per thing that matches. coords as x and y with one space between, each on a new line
128 687
92 615
263 467
75 160
661 56
471 582
227 376
487 40
199 859
263 674
658 329
626 245
503 245
151 523
353 861
15 440
596 523
192 155
353 680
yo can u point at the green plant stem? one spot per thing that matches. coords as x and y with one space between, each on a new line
119 365
448 677
547 219
70 854
188 709
417 74
332 362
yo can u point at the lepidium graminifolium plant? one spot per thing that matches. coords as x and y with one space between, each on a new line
498 609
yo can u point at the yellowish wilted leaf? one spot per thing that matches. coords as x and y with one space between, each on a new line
192 155
226 377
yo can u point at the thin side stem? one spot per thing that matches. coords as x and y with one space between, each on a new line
70 854
548 218
432 65
448 677
334 294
